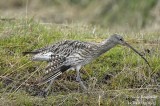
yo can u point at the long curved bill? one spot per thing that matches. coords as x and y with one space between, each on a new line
126 44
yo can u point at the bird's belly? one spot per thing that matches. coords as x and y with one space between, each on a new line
86 61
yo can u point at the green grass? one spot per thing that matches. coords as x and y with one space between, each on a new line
121 74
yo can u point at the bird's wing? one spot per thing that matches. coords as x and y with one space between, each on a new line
53 74
48 48
64 55
65 47
54 68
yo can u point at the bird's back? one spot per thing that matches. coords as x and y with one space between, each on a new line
64 55
67 48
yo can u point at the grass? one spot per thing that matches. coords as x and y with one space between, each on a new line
123 15
121 76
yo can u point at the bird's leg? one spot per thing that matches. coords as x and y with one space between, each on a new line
78 78
49 86
46 91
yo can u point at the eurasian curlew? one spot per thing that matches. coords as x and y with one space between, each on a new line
72 55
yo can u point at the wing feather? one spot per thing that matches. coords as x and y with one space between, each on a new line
64 55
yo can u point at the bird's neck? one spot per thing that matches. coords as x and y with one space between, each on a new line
106 46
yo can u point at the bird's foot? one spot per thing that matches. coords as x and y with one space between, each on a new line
78 79
44 93
83 86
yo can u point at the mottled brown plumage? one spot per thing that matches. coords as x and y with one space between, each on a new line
66 55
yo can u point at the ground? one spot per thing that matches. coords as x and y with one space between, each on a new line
118 77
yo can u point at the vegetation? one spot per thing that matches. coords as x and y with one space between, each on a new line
118 77
111 14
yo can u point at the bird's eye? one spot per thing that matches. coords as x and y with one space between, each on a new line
121 39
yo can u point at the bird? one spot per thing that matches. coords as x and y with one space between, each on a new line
72 55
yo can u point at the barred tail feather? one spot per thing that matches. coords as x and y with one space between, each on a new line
52 75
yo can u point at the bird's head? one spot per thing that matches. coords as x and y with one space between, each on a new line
118 39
